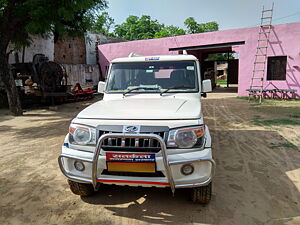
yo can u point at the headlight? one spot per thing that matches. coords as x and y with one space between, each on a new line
186 137
82 135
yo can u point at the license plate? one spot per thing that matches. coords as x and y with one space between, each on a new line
131 162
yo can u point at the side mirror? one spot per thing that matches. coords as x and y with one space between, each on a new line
101 87
206 86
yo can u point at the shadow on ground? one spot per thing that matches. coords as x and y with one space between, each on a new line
253 185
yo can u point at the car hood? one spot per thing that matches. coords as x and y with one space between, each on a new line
143 109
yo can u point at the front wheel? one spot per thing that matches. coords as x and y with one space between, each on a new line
81 188
202 194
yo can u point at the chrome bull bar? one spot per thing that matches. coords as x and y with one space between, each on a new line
70 176
132 135
213 167
167 163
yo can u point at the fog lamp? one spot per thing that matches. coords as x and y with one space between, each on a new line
79 165
187 169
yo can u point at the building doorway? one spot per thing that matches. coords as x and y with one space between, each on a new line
224 65
218 62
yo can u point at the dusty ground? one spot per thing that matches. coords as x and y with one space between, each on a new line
257 179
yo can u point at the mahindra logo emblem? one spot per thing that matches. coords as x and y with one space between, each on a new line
131 129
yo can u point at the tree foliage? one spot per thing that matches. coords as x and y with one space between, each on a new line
169 31
138 28
47 16
103 24
194 27
220 57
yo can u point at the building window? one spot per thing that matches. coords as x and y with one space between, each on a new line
276 68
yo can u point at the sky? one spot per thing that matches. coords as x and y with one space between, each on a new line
229 14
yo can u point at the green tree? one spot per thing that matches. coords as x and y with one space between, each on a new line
138 28
191 25
194 27
220 57
208 27
20 18
103 24
169 31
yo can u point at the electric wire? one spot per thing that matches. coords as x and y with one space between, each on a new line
276 19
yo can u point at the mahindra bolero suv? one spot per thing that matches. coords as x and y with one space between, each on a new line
147 131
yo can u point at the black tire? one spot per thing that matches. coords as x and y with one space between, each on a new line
202 195
81 188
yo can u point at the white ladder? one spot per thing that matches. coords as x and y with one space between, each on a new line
257 80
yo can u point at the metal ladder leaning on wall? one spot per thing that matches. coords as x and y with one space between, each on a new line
257 80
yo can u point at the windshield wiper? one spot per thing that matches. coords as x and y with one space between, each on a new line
176 87
138 88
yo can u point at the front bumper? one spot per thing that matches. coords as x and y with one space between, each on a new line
169 164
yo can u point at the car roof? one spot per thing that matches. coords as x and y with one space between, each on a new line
157 58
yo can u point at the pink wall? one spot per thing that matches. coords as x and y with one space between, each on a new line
284 40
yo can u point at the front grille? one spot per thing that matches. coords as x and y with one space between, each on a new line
132 144
133 174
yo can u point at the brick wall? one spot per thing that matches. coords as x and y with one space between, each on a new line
68 50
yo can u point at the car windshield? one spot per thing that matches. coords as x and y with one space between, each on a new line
153 77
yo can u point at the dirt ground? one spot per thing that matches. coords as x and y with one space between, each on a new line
257 150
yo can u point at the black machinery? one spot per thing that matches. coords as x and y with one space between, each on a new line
44 81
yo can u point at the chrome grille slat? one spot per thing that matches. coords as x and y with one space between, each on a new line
151 141
131 144
136 143
123 142
109 139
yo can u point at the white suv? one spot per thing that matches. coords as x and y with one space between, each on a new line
147 131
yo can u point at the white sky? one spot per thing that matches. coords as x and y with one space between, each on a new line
228 13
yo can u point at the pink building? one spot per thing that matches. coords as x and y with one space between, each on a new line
283 63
